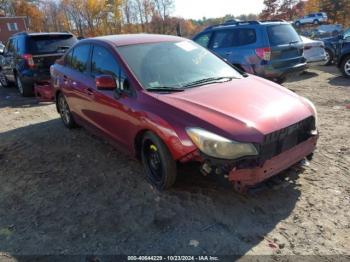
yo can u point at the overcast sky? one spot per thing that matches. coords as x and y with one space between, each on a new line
196 9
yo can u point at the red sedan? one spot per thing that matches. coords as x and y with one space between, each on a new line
166 100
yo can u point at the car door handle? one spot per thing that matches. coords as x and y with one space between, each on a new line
228 53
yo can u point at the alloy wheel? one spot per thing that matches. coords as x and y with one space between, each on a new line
64 110
347 67
328 58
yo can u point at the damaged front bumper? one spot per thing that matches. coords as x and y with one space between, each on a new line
251 171
273 166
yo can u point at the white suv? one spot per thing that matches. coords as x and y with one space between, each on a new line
314 18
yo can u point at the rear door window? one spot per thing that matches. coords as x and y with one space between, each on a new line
46 44
80 57
282 35
223 39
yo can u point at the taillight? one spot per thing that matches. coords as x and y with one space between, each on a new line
28 58
264 53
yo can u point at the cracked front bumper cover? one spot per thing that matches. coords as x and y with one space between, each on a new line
273 166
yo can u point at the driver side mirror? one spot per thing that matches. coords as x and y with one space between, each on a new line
105 82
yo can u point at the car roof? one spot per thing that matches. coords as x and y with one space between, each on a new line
244 24
134 39
49 33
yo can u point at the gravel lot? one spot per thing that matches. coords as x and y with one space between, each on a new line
69 192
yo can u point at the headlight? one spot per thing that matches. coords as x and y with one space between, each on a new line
218 146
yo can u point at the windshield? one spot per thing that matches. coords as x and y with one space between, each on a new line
51 43
175 65
282 35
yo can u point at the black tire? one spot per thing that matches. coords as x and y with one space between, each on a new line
24 89
330 57
160 167
297 24
345 66
316 22
64 111
3 80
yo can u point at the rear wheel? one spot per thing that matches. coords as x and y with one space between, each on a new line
316 22
65 112
297 24
24 89
345 66
158 163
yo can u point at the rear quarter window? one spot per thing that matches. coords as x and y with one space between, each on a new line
44 44
282 35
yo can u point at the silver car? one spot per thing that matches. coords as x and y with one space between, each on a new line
2 47
314 18
314 50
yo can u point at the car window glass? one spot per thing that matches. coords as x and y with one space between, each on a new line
11 46
50 43
68 58
223 39
244 36
103 63
80 58
282 34
203 39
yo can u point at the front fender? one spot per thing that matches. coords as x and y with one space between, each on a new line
174 136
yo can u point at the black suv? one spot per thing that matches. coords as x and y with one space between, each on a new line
27 58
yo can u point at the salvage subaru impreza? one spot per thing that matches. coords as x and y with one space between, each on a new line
167 100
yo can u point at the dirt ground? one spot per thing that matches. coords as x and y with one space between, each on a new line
68 192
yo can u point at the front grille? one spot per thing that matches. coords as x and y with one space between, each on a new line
281 140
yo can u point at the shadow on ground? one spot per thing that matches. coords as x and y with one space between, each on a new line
68 192
9 97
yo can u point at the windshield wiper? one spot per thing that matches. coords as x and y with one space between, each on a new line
209 80
164 89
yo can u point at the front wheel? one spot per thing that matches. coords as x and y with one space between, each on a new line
158 163
65 112
329 58
297 24
345 66
316 22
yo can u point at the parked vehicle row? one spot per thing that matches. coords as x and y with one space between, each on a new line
167 100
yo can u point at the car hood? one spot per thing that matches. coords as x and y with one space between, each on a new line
242 109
